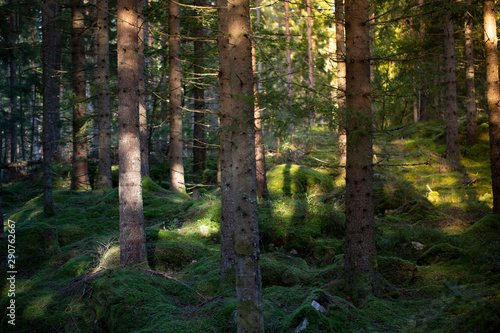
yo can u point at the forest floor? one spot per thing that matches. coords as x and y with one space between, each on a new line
437 241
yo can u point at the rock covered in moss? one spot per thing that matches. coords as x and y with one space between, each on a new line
440 252
396 270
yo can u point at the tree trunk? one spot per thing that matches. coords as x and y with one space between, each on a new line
310 62
451 104
199 144
260 150
288 53
469 75
104 111
12 65
143 110
79 174
493 95
132 233
50 90
227 204
360 251
248 283
341 81
175 90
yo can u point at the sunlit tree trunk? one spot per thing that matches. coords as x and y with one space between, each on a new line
493 96
360 251
341 81
79 174
175 89
226 163
132 233
50 91
104 111
469 77
143 110
260 151
248 284
199 144
451 104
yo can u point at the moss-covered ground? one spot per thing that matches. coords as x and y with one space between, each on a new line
438 246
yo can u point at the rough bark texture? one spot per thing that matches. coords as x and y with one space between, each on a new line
469 78
493 95
175 89
226 163
104 112
143 110
360 252
49 59
451 104
199 145
341 84
79 173
310 62
248 283
132 234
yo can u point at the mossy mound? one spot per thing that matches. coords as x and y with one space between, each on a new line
487 227
282 270
440 252
292 179
324 251
397 271
174 255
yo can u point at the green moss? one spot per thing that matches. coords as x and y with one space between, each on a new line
175 255
292 180
397 271
276 271
440 252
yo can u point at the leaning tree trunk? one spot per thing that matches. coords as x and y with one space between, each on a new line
104 111
248 284
451 104
132 233
79 174
341 81
469 78
226 163
360 251
50 91
493 95
175 88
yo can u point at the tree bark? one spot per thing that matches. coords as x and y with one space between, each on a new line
493 96
132 233
50 91
451 104
104 111
469 78
341 81
79 174
199 144
310 60
260 151
175 90
360 251
248 283
225 154
12 69
288 55
143 110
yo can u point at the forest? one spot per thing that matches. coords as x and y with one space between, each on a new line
249 166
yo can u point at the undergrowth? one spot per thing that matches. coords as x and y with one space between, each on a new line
437 241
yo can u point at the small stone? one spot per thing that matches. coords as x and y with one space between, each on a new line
302 326
293 252
418 246
318 306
